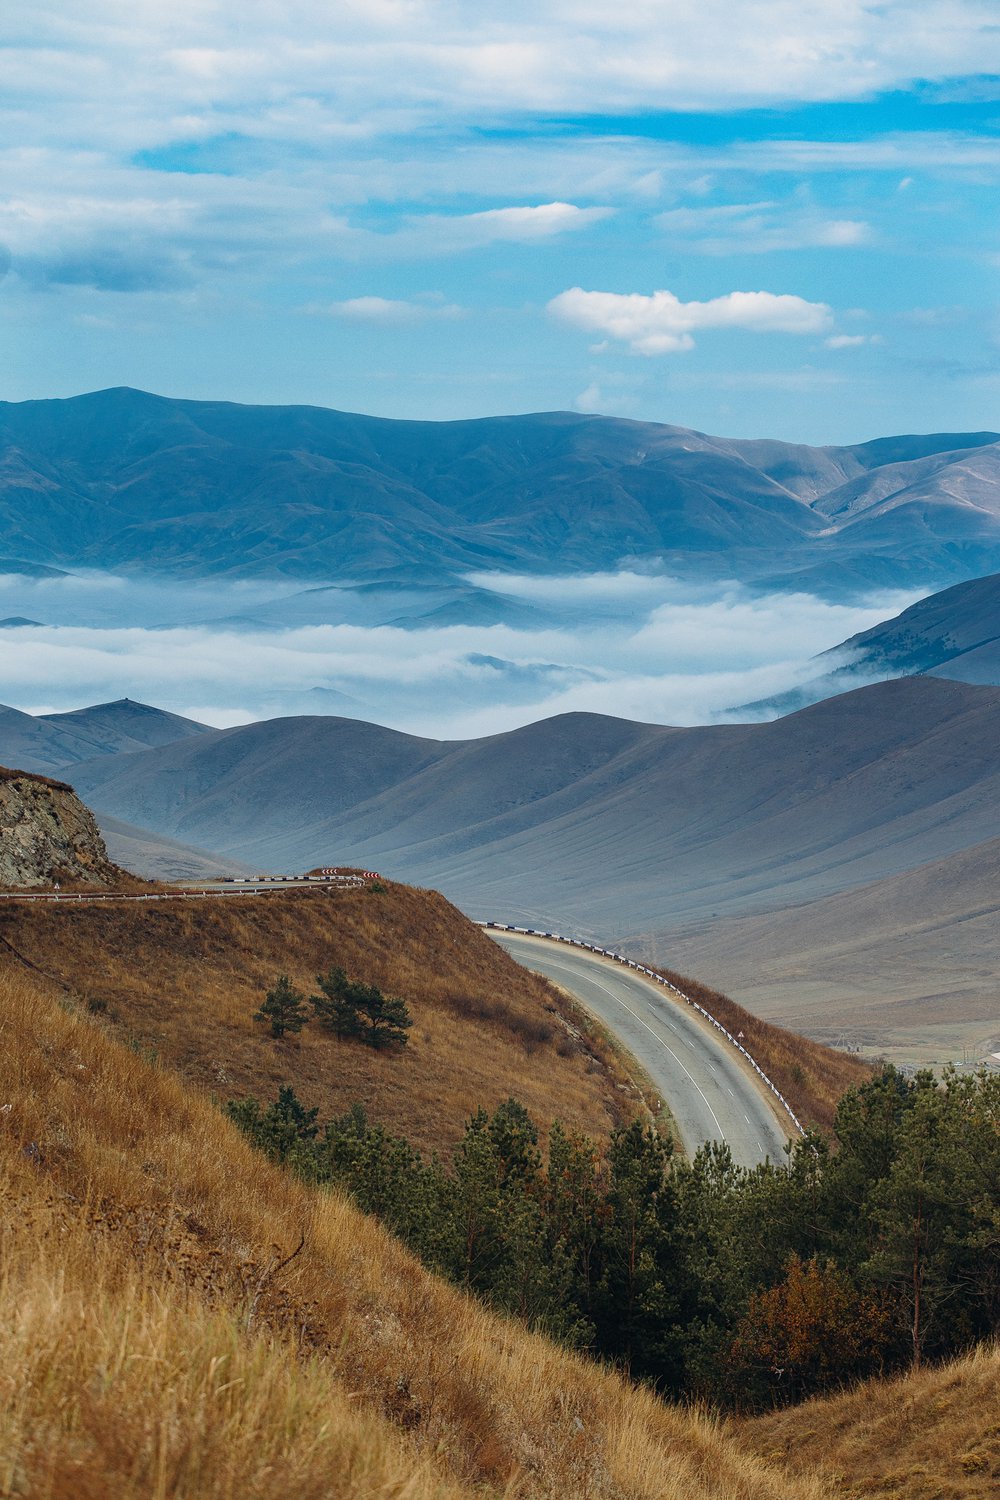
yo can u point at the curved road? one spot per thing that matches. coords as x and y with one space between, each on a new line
710 1094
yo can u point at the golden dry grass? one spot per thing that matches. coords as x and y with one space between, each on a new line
186 976
934 1435
811 1076
152 1344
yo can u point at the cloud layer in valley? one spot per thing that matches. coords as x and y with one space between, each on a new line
633 645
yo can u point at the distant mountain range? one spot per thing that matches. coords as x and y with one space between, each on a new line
120 478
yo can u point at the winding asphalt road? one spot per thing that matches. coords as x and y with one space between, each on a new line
711 1095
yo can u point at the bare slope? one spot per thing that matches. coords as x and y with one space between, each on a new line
906 965
589 820
153 857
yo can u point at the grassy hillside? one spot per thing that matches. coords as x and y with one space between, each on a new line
930 1436
179 1318
185 977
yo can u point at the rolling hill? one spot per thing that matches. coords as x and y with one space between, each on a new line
114 479
724 850
589 819
906 965
47 742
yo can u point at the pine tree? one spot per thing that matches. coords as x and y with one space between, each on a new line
387 1017
281 1128
283 1007
336 1006
349 1008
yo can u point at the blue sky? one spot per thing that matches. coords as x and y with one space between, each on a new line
753 217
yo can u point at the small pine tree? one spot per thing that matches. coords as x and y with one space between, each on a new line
283 1007
336 1007
387 1017
349 1008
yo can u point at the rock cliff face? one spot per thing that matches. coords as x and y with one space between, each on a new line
47 835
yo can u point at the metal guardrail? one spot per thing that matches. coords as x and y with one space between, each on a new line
647 973
266 887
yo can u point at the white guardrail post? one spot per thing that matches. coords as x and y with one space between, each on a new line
630 963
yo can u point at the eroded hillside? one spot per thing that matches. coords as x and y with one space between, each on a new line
48 835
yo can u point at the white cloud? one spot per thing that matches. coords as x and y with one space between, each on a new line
635 645
852 340
590 399
149 60
522 225
759 228
387 310
662 324
596 398
533 223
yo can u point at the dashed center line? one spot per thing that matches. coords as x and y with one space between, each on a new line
576 975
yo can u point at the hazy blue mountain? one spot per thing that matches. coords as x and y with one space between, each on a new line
954 633
48 742
124 480
158 858
588 819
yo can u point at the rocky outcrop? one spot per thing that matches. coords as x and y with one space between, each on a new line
47 835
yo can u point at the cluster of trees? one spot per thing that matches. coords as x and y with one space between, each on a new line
747 1288
345 1007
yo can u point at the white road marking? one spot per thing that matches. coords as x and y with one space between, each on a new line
576 974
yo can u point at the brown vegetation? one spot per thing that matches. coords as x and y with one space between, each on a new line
8 774
934 1435
180 1318
185 977
811 1076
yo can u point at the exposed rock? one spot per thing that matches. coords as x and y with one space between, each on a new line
48 835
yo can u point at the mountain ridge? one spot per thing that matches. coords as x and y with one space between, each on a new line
112 478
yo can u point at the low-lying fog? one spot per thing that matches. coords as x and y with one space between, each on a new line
447 660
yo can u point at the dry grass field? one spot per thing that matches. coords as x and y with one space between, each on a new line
160 1336
930 1436
185 977
179 1318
